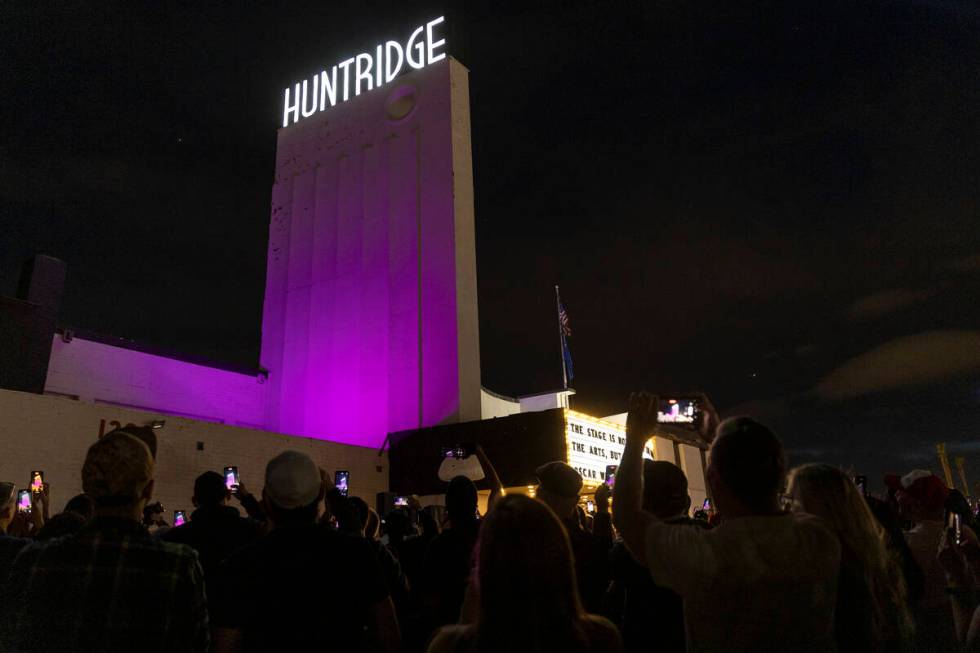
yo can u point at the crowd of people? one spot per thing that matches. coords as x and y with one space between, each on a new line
790 560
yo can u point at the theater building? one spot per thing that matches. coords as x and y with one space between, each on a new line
369 325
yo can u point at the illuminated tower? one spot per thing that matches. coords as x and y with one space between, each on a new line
370 317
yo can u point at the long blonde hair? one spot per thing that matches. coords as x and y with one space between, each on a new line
529 599
828 493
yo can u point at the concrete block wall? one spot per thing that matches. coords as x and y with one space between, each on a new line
53 434
100 373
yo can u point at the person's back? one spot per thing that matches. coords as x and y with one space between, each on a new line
921 498
765 583
299 588
762 580
110 587
528 599
9 546
303 586
449 557
215 529
646 606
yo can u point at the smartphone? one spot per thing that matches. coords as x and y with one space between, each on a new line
589 506
24 501
401 502
707 504
611 474
37 481
862 485
957 526
340 481
231 477
180 517
679 411
458 451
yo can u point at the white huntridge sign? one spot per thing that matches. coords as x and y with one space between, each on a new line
363 72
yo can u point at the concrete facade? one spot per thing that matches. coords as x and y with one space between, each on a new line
53 434
370 319
102 374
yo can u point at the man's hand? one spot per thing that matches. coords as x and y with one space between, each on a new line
709 421
39 507
20 525
641 422
240 492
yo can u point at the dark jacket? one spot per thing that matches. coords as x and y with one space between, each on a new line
647 607
215 532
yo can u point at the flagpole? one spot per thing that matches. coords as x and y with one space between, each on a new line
561 339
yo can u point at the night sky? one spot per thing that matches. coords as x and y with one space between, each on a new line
773 202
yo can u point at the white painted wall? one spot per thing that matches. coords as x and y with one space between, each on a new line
494 405
99 373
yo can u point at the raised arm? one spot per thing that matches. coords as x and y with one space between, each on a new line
496 487
628 514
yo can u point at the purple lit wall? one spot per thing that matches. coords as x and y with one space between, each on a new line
98 373
370 318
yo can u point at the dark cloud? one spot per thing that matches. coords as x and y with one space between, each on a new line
923 358
885 302
966 264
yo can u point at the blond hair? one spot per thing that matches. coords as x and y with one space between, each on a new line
117 469
830 494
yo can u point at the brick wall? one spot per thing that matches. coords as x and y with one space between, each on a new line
53 434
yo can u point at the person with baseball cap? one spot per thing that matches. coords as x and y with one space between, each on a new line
111 586
559 486
304 586
920 497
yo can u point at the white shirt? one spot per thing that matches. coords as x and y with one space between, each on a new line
752 584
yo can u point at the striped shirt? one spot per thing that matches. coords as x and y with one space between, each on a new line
111 587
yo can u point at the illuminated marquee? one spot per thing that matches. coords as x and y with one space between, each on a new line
592 443
362 73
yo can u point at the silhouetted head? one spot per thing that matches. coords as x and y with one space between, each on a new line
210 490
118 475
81 504
293 489
526 577
461 499
144 434
747 465
559 486
664 489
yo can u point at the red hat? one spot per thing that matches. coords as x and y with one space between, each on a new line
922 485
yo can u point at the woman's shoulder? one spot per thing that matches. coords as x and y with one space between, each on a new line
603 635
451 639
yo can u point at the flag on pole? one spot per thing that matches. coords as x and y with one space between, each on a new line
563 320
564 331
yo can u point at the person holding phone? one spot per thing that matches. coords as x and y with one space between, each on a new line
645 606
328 583
215 529
961 563
10 545
131 591
763 579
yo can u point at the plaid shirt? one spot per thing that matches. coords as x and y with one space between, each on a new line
111 587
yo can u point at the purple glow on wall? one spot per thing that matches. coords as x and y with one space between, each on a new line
362 277
101 373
